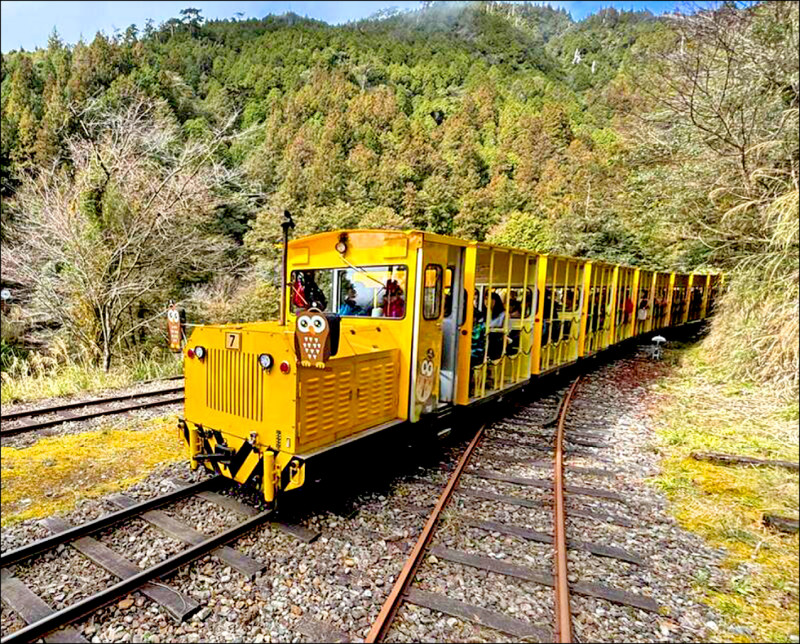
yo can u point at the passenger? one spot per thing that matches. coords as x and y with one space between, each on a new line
298 293
393 305
696 302
628 306
497 324
644 305
557 322
349 306
547 304
601 314
498 312
478 337
306 293
514 306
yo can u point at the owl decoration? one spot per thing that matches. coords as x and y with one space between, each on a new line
316 337
174 328
425 371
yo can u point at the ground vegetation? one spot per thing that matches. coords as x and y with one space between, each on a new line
697 407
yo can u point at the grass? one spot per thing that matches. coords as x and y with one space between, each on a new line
39 378
56 472
698 409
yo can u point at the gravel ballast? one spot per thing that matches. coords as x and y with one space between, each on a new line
368 523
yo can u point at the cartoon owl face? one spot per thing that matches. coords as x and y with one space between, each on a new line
424 385
312 339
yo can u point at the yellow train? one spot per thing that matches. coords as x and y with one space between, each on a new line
381 329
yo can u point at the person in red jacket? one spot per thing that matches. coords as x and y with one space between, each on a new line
628 306
394 305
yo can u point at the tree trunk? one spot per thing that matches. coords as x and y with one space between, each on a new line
106 358
106 324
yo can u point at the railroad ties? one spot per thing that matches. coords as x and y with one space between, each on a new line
526 439
54 626
27 420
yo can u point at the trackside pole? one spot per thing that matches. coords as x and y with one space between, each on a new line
286 224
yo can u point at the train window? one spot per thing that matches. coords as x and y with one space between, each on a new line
310 289
369 291
515 303
432 292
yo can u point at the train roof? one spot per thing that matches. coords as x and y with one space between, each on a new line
457 241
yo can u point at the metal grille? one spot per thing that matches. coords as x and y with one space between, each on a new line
235 383
353 396
326 403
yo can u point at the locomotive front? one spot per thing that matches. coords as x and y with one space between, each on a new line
263 398
241 389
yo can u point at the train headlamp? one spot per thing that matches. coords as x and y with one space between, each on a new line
341 245
200 352
266 361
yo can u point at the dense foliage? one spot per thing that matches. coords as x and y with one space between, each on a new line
511 122
450 119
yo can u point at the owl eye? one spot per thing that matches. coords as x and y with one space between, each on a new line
319 323
303 324
426 368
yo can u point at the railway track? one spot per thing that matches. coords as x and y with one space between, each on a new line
27 420
530 437
54 625
500 469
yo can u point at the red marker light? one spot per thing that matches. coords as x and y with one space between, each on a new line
285 368
190 353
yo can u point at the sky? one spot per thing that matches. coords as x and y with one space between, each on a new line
29 23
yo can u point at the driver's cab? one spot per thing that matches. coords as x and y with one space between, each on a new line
407 286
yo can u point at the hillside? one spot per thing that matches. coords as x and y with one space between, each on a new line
422 112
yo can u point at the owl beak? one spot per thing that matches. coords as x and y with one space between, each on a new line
311 329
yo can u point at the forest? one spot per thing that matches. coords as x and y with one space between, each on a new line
153 165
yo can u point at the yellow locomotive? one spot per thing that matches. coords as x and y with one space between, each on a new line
384 328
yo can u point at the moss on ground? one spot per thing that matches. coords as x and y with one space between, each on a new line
56 472
696 409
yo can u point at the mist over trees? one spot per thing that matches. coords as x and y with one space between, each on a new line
668 142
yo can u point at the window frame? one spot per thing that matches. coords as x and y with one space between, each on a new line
438 292
335 296
452 270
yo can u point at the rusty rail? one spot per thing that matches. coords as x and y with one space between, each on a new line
563 617
18 422
395 598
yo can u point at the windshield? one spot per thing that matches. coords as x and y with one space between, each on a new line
369 291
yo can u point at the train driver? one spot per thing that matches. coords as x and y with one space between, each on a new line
349 306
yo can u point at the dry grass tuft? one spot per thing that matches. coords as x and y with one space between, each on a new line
756 332
55 473
754 336
700 409
42 376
